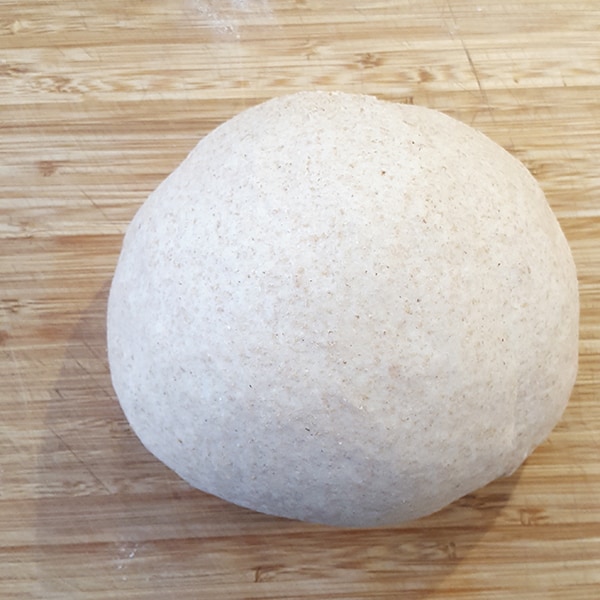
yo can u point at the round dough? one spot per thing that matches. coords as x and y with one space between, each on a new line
345 311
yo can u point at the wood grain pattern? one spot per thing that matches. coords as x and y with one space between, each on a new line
99 101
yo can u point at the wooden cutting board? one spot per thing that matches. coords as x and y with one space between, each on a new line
99 101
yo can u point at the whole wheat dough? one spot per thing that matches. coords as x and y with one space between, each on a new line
344 310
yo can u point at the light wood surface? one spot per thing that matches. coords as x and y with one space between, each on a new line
99 101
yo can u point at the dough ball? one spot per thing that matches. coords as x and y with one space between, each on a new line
345 311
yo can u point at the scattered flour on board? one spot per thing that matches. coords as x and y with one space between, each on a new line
225 16
125 553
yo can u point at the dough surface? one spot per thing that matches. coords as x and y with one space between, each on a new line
344 310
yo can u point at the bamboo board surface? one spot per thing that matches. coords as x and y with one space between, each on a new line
99 101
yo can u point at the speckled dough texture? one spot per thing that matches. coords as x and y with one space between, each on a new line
344 310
